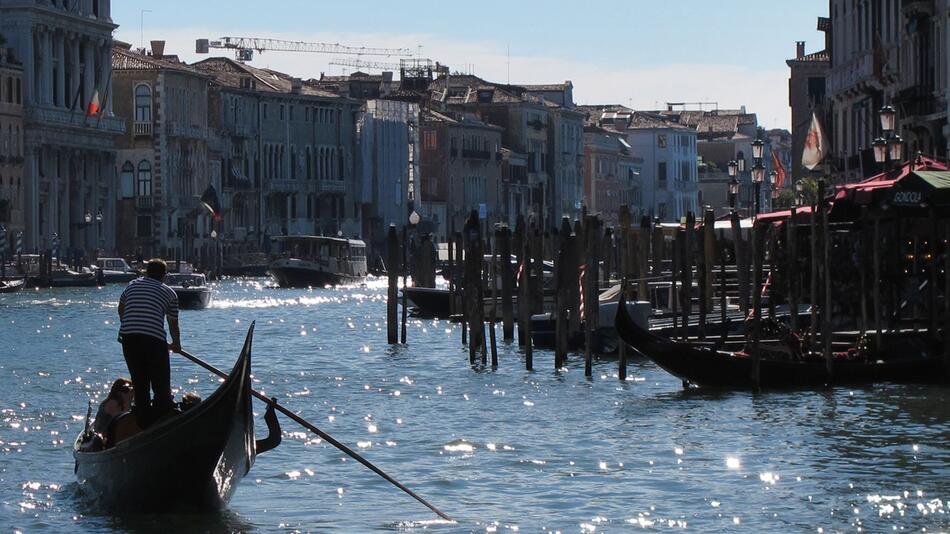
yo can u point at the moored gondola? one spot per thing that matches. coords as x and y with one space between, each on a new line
903 357
12 286
191 461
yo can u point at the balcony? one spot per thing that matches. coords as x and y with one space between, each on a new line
60 118
142 128
306 186
476 154
916 100
239 130
177 129
143 203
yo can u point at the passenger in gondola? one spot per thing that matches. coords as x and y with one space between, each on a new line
188 401
118 402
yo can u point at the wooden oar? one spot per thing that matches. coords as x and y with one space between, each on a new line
330 439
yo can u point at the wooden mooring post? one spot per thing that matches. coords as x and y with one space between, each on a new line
494 300
525 298
742 264
392 272
566 281
591 289
405 283
707 262
826 276
517 244
474 307
503 245
757 257
791 254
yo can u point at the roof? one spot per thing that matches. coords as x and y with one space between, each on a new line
431 115
814 57
124 59
548 87
231 73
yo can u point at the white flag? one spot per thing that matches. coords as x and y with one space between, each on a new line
816 145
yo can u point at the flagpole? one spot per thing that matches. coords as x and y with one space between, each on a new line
105 99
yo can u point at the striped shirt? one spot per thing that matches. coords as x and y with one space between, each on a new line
146 302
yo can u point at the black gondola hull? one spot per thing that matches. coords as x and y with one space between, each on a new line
918 360
190 462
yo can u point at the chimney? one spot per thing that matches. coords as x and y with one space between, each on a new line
158 49
799 49
296 85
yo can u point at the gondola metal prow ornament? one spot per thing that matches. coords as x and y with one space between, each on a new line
330 439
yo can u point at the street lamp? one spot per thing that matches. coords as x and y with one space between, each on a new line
758 176
800 193
888 119
773 179
888 148
758 149
733 192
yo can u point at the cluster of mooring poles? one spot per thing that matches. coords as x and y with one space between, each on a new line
710 282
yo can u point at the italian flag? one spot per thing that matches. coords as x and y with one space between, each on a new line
93 108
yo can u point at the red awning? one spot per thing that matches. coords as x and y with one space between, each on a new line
802 216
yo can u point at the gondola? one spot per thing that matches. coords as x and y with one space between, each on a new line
12 286
189 462
903 357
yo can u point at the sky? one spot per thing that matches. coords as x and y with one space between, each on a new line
640 53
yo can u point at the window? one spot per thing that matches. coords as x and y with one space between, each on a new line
264 110
143 227
291 113
281 112
127 180
143 103
661 140
661 175
145 179
430 140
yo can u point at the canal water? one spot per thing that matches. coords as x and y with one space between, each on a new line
500 450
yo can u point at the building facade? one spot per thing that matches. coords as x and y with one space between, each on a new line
69 182
807 95
304 153
611 173
461 171
890 52
11 145
162 159
388 167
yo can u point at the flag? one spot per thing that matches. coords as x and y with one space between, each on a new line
816 145
209 199
93 108
779 169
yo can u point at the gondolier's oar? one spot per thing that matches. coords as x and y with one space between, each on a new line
330 439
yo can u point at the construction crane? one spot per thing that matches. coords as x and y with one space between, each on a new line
404 65
244 47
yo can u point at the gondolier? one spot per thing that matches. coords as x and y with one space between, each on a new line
144 307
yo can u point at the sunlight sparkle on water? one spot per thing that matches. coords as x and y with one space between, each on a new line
733 462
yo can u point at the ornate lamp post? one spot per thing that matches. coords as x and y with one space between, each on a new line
800 193
773 179
758 172
889 148
733 169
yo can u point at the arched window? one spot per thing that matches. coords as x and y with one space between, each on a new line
145 179
143 103
127 180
